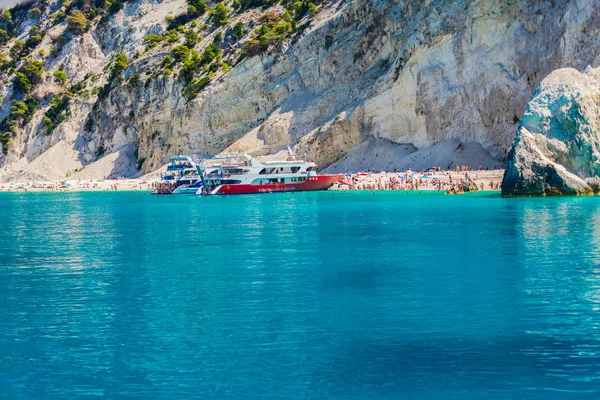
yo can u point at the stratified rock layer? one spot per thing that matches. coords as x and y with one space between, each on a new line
557 147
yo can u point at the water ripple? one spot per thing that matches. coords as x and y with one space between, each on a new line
314 295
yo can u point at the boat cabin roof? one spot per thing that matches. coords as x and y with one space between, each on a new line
181 158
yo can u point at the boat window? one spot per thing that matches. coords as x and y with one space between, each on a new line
234 171
230 182
263 171
310 169
295 169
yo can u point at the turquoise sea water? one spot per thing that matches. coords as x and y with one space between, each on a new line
307 295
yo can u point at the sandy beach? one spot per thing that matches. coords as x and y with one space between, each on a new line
407 180
78 185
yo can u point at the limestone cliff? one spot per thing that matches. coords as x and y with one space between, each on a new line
557 148
413 73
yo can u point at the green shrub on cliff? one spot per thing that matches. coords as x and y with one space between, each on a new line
180 52
196 8
3 36
94 13
191 66
121 62
21 113
195 86
212 52
57 17
35 37
58 111
76 22
153 40
167 61
29 74
17 49
7 26
219 14
4 62
115 6
172 37
60 77
35 13
22 82
191 38
238 30
272 31
34 70
18 110
258 3
134 80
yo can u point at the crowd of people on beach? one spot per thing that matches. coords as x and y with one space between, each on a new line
434 178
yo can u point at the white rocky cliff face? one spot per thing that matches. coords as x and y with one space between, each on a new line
557 148
408 74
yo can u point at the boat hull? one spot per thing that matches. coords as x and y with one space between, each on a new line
187 189
312 183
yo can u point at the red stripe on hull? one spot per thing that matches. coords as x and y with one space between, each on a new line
320 182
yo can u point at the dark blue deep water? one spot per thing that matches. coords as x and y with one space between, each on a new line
312 295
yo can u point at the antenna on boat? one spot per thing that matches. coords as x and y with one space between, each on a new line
291 155
199 169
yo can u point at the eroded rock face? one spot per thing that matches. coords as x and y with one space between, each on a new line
557 148
410 72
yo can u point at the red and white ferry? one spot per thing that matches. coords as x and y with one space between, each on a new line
242 174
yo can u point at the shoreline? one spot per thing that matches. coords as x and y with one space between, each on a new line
79 185
486 180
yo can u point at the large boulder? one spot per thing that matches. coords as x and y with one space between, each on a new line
469 186
557 147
